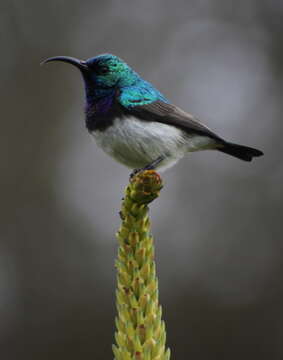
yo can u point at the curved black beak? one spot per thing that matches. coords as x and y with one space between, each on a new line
80 64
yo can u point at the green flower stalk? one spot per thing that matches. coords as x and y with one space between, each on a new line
140 331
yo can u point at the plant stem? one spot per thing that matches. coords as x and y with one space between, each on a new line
140 331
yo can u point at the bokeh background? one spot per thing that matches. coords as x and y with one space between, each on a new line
218 222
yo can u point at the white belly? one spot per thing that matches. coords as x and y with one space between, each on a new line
137 143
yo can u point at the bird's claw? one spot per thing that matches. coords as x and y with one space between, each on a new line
135 172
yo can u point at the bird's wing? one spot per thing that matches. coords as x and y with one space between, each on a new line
169 114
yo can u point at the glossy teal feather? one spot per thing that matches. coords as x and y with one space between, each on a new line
142 93
133 89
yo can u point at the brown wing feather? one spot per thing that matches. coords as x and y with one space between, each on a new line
172 115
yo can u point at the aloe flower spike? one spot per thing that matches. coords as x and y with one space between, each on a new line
140 331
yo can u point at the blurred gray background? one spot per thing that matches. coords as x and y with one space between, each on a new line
218 222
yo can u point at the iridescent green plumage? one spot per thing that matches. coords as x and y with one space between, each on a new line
133 89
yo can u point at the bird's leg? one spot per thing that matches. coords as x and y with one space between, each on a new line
154 163
150 166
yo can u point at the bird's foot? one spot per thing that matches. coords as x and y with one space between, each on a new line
135 172
151 166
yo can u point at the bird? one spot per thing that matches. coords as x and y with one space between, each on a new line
136 124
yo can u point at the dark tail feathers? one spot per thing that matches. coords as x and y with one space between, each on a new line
241 152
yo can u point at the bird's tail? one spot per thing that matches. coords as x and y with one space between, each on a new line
241 152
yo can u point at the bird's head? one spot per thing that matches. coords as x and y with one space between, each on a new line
101 72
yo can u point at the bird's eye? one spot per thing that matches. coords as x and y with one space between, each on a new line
103 70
